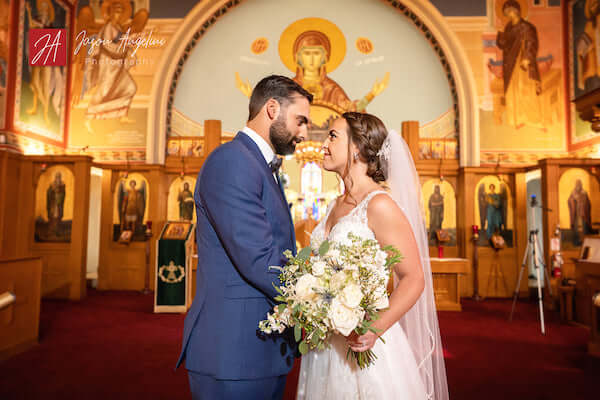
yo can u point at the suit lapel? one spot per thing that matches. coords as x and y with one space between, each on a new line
253 147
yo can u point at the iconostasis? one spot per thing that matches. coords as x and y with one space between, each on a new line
478 119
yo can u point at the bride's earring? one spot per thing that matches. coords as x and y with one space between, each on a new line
355 156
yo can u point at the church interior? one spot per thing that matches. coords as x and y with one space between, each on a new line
496 99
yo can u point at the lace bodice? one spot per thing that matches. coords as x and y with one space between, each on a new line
355 221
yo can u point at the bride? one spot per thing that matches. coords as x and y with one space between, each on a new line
410 363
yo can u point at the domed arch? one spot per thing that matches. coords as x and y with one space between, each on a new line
425 17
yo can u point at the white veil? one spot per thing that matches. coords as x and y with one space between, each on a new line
420 323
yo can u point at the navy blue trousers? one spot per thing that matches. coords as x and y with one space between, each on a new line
205 387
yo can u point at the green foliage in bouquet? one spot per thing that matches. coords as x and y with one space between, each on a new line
338 290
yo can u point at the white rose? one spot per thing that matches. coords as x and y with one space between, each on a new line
343 319
337 280
304 287
318 268
351 295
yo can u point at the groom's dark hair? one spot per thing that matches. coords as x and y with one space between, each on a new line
277 87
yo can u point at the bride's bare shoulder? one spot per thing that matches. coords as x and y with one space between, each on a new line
382 210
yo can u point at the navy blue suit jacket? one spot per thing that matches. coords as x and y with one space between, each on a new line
243 226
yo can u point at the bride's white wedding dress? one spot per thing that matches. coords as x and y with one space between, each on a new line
327 374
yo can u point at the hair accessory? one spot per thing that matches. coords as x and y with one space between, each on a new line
385 150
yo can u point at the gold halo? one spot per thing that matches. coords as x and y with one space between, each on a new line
126 9
328 28
38 6
500 14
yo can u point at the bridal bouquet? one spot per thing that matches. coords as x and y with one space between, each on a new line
338 290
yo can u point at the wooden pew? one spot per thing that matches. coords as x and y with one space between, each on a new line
19 321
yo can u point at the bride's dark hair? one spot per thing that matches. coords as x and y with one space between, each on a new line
368 133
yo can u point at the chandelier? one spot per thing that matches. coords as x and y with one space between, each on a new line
309 151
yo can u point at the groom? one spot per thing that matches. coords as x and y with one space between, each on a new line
244 226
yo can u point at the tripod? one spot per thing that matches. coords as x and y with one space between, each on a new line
534 247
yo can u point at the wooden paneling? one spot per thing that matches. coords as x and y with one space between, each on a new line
19 322
446 282
10 177
122 267
587 275
64 263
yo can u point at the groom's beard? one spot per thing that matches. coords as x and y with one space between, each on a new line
282 139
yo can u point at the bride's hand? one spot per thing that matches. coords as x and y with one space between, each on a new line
362 343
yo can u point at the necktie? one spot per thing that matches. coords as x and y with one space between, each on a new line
275 164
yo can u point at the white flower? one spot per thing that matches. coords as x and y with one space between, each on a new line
351 295
343 319
380 257
351 267
283 316
318 268
275 324
337 280
304 287
381 298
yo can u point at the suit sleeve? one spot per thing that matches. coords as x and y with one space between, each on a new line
231 192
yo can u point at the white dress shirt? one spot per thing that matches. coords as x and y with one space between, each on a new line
262 144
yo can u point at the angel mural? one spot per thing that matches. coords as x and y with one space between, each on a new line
493 207
47 82
102 72
132 206
317 50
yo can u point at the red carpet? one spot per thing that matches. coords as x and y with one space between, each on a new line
111 346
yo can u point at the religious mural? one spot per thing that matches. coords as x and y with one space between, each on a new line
584 50
105 68
180 203
110 66
4 55
131 211
40 90
578 193
439 204
523 102
494 210
54 205
311 48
